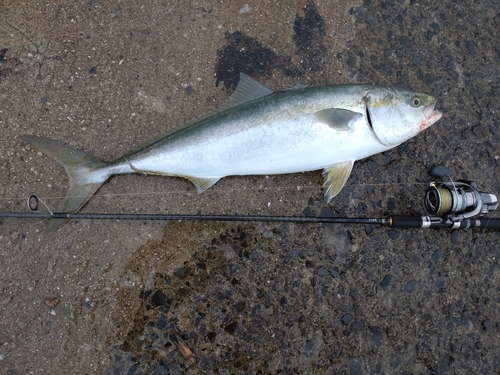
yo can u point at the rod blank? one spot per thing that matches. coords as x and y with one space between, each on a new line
170 217
394 221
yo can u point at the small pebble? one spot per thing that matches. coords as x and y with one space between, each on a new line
385 282
410 286
89 304
182 272
430 78
393 234
334 272
355 368
405 41
377 336
357 325
487 325
372 165
322 272
246 8
228 251
436 255
346 319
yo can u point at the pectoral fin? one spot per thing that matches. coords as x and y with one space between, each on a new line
335 176
338 119
202 183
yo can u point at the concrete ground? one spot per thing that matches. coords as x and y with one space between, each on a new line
246 298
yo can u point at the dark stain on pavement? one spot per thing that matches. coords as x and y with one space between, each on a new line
246 54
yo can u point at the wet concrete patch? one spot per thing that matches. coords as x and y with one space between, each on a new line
230 296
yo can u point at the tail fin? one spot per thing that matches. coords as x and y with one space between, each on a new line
86 174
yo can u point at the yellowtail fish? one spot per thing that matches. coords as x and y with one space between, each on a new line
261 132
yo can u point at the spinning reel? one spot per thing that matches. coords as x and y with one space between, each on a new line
458 200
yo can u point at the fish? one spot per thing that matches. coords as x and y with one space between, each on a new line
260 132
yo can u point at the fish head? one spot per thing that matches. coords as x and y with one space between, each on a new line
396 115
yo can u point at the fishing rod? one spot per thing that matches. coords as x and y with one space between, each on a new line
450 204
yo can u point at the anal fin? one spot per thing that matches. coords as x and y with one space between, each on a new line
202 183
336 176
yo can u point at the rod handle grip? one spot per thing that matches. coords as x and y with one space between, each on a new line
403 221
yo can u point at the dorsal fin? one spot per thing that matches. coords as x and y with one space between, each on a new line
247 90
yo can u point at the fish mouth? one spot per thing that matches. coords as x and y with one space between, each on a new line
431 119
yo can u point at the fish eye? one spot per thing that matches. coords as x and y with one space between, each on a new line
415 101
